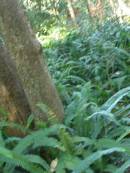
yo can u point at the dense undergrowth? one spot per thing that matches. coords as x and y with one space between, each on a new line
92 74
101 58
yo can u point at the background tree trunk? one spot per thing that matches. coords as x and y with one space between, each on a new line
27 53
71 12
95 10
113 7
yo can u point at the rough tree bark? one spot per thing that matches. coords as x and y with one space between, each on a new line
27 52
71 12
13 101
113 7
12 96
95 9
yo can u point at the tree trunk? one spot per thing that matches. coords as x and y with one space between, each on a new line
95 10
113 7
27 53
71 12
12 96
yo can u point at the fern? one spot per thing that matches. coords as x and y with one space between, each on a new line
123 168
39 138
93 157
67 141
111 103
16 159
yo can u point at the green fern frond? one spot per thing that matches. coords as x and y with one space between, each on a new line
41 136
67 141
16 159
83 165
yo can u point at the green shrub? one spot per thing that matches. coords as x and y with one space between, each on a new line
92 139
101 58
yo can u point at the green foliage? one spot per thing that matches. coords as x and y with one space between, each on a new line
92 73
44 15
76 148
19 155
101 58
